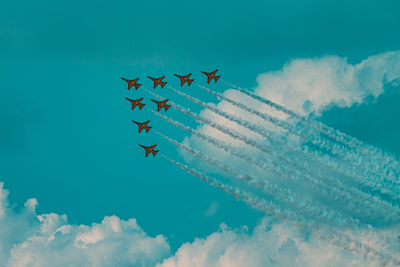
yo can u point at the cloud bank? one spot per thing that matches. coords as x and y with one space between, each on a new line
270 244
29 239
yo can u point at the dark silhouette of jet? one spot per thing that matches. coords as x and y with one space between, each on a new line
211 76
136 103
143 125
185 79
132 83
158 81
150 149
161 104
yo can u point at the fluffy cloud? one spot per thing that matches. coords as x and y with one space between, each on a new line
310 85
270 244
28 239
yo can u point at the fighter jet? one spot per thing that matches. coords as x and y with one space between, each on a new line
136 103
211 76
185 79
143 125
132 83
150 149
158 81
161 104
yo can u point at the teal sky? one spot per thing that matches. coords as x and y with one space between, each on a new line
65 131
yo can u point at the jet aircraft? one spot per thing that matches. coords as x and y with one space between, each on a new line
136 103
185 79
150 149
132 83
143 125
211 76
161 104
158 81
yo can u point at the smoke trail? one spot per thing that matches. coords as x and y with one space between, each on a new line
329 235
347 170
287 196
336 135
374 181
333 193
280 123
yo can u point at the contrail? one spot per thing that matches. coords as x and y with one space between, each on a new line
375 207
287 196
322 143
280 123
366 178
336 135
247 141
269 207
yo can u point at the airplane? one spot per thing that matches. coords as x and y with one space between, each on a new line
132 83
158 81
161 104
136 103
143 125
185 79
211 75
150 149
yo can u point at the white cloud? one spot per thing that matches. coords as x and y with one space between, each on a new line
28 239
307 85
270 244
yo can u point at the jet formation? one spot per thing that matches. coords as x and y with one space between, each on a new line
162 104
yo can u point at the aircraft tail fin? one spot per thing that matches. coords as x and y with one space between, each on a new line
166 107
189 82
137 85
141 105
148 128
163 84
154 152
216 78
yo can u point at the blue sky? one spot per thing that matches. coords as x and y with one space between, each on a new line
65 132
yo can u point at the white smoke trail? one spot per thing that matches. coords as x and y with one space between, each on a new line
292 199
329 235
389 216
342 167
365 171
372 207
387 160
280 123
